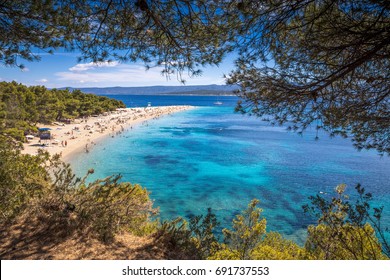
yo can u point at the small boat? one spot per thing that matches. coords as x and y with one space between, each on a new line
218 103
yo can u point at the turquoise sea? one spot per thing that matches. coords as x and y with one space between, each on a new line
213 157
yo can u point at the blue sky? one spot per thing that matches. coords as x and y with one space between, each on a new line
63 70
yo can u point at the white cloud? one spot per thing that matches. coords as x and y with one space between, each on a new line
42 81
115 74
92 65
124 73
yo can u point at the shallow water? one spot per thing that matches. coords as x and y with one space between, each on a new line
211 157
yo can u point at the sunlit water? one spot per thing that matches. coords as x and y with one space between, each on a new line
212 157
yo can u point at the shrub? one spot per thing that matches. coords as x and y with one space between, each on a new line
195 239
22 178
108 207
248 230
346 230
275 247
47 188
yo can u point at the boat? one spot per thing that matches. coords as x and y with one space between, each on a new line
218 103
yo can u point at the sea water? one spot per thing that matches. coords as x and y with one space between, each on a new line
211 157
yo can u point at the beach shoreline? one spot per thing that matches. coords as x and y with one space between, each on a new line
82 135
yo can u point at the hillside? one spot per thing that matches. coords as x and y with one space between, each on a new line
162 90
34 240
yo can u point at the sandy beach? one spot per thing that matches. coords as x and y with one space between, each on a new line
83 134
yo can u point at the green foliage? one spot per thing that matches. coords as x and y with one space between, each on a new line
225 253
275 247
248 230
249 241
15 133
346 242
110 207
102 208
176 235
22 178
195 238
23 107
346 230
44 188
178 35
202 229
28 24
322 64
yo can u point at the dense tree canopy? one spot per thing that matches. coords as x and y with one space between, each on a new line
319 63
23 107
181 35
25 25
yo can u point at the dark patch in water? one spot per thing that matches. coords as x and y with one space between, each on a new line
288 207
191 145
297 198
180 177
281 220
267 194
177 131
153 160
161 144
171 161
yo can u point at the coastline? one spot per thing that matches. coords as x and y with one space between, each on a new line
81 135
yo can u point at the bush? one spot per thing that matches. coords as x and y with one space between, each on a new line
248 230
104 207
346 230
194 239
15 133
47 188
275 247
108 207
23 178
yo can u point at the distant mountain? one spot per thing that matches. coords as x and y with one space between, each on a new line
162 90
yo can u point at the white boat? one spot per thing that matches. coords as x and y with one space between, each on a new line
218 103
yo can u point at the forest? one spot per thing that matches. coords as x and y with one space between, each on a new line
22 107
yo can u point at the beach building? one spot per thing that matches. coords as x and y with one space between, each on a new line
44 133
